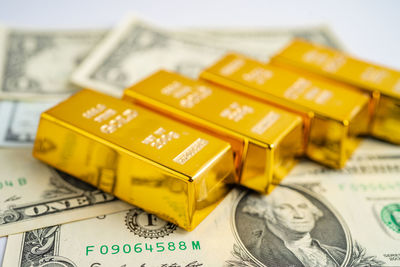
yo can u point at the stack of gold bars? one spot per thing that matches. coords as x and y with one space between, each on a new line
174 146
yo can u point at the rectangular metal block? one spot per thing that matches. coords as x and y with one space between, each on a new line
334 116
162 166
382 83
265 139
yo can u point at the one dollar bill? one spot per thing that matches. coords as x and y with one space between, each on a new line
310 220
38 63
293 226
34 195
135 49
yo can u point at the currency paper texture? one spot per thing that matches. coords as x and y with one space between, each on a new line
33 195
37 64
134 50
322 219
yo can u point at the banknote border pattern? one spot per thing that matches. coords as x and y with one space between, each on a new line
119 49
16 213
126 44
11 65
43 249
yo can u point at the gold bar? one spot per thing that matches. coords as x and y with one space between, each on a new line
162 166
264 138
334 116
383 84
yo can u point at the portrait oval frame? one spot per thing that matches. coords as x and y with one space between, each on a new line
310 195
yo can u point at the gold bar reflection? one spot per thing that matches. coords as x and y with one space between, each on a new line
382 83
166 168
334 116
265 139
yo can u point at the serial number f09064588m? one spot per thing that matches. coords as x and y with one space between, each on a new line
142 247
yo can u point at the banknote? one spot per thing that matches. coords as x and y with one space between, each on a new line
372 157
261 43
34 195
19 121
135 49
303 222
38 63
3 241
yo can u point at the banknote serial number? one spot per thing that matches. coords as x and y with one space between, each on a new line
143 248
13 183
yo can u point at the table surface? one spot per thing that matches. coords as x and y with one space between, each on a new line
368 29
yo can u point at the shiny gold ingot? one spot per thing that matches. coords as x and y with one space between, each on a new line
382 83
162 166
265 139
334 116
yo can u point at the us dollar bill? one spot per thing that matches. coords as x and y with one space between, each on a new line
298 224
372 157
34 195
261 43
315 222
19 121
38 63
135 49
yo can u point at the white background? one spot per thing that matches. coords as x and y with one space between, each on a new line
368 29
